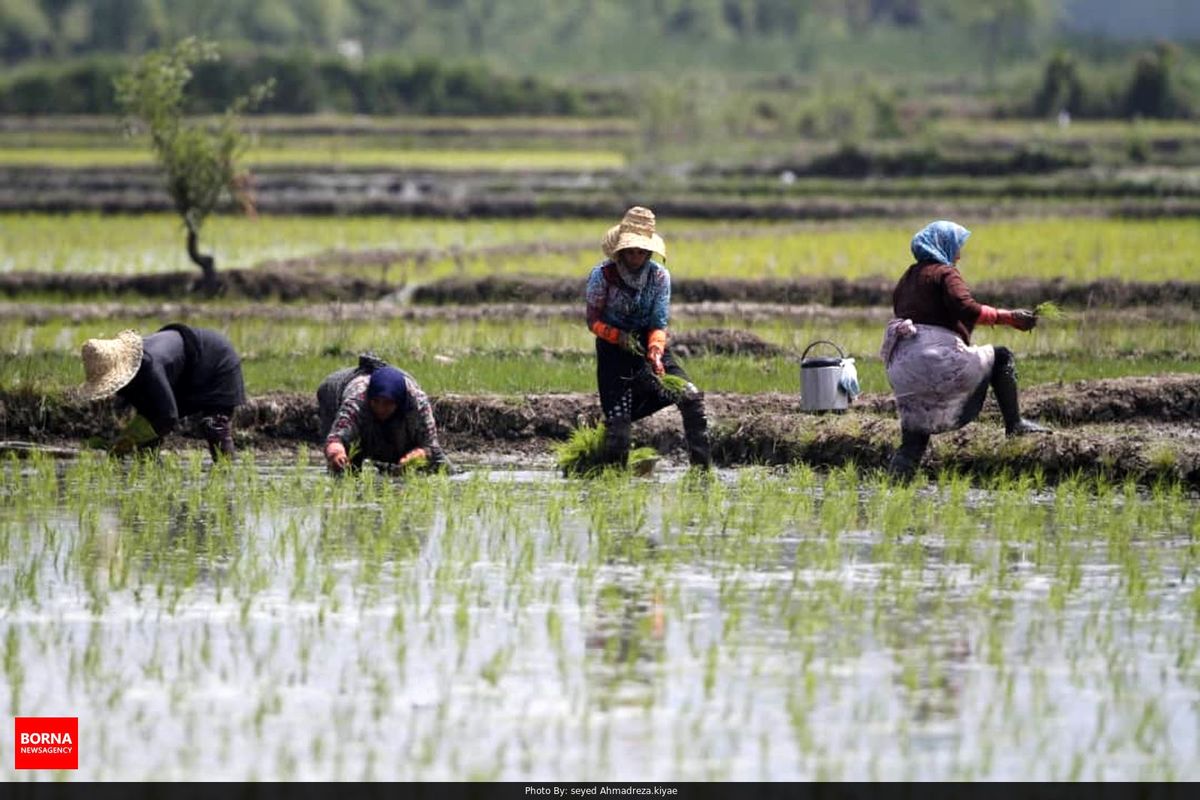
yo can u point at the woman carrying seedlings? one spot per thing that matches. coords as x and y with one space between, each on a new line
380 413
166 376
628 303
940 380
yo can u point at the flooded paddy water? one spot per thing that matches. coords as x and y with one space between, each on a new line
268 621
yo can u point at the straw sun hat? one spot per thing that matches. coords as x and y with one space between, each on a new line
110 364
636 230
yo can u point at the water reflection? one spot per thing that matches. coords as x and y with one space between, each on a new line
625 643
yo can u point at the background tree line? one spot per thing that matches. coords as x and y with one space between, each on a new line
584 56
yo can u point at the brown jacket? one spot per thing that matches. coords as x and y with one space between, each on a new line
935 294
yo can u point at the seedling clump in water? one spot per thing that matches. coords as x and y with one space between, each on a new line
581 454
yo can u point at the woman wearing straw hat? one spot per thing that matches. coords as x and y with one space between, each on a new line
939 378
380 413
628 303
166 376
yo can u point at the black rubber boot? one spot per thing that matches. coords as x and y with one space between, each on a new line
1004 385
695 430
617 435
218 432
907 458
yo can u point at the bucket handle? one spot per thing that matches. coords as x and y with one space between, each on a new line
821 341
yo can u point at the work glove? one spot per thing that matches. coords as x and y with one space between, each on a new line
1024 320
336 457
630 342
655 356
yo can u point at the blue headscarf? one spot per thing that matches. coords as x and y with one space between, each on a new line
939 241
391 383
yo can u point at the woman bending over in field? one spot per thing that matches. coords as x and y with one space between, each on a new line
378 412
628 303
939 379
173 373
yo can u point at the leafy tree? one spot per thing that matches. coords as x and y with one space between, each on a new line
1002 28
24 29
201 163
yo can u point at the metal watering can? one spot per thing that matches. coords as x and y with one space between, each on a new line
827 383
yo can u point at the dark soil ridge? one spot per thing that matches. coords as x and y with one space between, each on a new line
543 194
270 284
392 310
1144 428
834 292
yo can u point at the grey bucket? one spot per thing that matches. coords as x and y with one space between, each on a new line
819 377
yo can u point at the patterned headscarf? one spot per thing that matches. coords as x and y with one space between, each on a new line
939 241
391 383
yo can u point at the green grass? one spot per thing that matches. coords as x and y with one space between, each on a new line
1070 249
556 355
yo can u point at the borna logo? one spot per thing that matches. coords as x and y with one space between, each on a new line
46 742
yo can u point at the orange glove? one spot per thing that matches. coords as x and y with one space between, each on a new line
335 456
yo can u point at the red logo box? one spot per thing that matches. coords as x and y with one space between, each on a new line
46 742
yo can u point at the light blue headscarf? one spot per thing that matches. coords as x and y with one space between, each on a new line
939 241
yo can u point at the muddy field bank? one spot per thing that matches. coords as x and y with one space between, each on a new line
328 286
1144 428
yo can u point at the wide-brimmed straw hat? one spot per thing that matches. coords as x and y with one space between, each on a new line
636 230
109 364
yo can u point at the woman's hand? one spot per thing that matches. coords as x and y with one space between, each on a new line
414 456
1024 320
655 356
335 456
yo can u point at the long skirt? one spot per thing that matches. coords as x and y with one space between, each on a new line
939 380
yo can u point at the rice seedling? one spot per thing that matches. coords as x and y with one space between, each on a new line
581 454
1048 310
1086 249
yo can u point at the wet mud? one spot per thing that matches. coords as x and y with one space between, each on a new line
1141 428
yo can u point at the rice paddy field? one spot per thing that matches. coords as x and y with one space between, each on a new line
267 621
1057 248
1028 611
556 354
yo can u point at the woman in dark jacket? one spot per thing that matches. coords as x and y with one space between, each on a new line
940 380
166 376
380 413
628 304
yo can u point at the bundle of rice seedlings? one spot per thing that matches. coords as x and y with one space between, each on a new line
1048 310
582 453
674 385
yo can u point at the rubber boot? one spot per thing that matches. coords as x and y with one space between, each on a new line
218 432
1004 385
695 431
907 457
617 435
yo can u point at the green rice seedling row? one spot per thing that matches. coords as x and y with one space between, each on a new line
1072 250
492 356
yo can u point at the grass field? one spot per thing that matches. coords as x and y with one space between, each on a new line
1071 249
556 355
335 155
